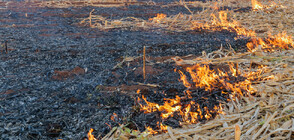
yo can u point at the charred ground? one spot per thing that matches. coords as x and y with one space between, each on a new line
59 79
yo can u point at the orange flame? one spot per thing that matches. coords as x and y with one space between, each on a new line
201 77
158 18
161 127
256 5
90 136
150 130
232 26
222 23
272 43
171 106
138 91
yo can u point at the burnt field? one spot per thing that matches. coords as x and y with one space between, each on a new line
64 70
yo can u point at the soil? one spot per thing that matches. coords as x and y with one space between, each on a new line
59 79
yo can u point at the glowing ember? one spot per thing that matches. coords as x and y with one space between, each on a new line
114 117
108 125
158 18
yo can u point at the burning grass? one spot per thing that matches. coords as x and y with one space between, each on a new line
264 113
272 20
258 84
216 22
263 116
203 97
232 84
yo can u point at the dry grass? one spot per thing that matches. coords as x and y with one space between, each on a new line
79 3
214 4
272 20
179 22
268 114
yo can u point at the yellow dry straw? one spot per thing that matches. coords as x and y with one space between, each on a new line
144 62
90 17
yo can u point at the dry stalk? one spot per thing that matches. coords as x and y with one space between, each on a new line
237 132
144 62
90 18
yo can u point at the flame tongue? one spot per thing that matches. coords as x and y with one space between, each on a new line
272 43
269 44
183 109
256 5
90 135
206 90
221 22
158 18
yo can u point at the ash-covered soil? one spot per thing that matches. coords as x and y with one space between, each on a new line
57 79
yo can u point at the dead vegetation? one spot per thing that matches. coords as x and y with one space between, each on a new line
74 3
268 113
271 20
275 19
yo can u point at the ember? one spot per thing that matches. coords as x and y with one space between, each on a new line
114 117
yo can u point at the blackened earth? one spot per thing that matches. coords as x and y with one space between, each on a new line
34 105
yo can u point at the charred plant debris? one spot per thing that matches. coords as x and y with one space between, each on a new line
59 54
